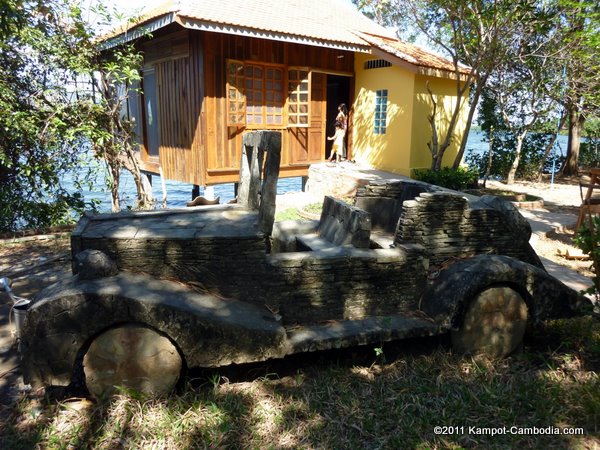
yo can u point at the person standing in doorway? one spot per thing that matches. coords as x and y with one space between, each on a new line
338 142
342 117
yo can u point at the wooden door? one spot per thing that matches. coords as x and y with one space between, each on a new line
306 117
318 118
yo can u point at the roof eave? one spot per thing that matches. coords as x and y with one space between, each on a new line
139 30
418 68
192 24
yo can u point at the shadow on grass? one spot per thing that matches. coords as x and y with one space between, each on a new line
349 399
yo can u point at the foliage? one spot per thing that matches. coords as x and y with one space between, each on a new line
51 113
523 85
457 179
502 137
503 145
588 240
113 136
590 148
40 140
580 97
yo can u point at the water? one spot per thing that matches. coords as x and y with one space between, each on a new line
178 194
477 144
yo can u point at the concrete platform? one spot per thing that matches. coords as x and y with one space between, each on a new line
342 179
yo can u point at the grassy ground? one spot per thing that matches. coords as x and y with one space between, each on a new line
386 397
390 397
313 209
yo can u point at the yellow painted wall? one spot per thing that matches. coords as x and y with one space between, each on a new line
389 151
403 147
444 91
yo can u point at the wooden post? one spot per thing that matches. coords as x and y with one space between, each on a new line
271 143
251 192
250 170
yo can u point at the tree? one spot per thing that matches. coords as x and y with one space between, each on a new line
476 33
499 159
523 83
38 121
581 31
113 137
50 114
113 76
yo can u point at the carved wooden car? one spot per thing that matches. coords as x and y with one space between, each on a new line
157 292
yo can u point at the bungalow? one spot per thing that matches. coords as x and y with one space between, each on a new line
213 70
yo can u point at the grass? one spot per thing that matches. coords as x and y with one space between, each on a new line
345 399
294 214
287 214
313 208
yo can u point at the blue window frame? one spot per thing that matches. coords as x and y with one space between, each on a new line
381 97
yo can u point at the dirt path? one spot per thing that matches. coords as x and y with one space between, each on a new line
32 264
563 197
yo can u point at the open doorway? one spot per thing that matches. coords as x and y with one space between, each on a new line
338 91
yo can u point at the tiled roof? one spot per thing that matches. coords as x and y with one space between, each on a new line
331 21
320 21
413 54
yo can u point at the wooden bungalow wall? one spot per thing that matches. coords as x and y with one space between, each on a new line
196 145
177 61
223 142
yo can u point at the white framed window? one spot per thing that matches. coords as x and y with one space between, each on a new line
380 117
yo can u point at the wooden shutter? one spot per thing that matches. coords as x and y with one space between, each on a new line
236 100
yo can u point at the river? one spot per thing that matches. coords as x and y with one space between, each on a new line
180 193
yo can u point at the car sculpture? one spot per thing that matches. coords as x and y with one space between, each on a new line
155 293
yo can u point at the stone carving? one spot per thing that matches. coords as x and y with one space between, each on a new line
343 224
93 264
133 357
223 285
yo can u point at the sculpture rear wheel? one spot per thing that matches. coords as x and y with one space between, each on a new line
494 324
133 357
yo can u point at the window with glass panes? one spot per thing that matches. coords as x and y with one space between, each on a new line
254 95
298 97
380 119
273 96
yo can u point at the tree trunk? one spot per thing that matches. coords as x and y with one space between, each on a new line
114 187
434 146
510 179
472 109
145 197
550 146
488 169
571 164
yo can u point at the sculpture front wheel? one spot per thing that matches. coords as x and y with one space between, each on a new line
133 357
